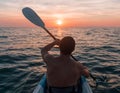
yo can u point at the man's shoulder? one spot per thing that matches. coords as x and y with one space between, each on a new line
78 63
47 55
48 58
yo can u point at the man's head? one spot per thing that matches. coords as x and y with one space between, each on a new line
67 45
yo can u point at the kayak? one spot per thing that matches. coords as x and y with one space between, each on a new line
42 85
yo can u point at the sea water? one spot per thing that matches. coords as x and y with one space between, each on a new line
21 64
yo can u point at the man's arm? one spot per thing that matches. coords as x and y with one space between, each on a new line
84 70
44 51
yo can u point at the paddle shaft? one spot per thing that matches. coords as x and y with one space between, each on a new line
49 33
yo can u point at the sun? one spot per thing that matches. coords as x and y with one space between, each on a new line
59 22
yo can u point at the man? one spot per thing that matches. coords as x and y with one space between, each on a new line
63 72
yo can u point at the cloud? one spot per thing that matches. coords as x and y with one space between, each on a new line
76 9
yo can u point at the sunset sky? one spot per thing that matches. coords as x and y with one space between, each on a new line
70 12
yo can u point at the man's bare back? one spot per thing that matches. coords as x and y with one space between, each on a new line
63 71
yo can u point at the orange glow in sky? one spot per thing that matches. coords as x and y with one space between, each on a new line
61 12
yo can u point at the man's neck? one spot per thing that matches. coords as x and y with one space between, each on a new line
65 56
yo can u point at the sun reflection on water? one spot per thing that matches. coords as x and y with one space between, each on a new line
60 33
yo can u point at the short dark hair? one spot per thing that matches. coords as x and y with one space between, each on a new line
67 45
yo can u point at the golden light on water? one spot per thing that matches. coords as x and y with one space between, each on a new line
59 33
